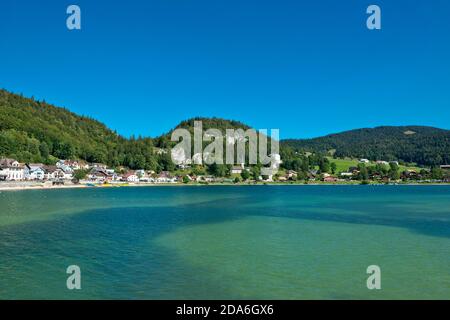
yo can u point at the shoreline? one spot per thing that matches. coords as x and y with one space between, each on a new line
40 186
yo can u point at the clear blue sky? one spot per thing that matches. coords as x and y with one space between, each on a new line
306 67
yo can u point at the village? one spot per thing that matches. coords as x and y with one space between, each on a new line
81 173
65 172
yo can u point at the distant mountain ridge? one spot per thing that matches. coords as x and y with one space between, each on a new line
34 131
419 144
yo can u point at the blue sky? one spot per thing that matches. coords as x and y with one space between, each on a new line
306 67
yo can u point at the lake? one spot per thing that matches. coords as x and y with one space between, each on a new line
226 242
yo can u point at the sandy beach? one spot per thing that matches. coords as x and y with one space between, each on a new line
20 186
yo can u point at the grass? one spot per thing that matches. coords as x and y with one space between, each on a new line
343 164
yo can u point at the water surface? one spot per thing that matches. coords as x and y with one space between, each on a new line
230 242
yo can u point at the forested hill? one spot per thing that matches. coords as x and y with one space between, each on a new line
34 131
423 145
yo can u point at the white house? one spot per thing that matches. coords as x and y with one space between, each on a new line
291 174
67 166
53 173
146 179
346 174
98 175
364 161
76 165
100 166
205 179
34 171
237 169
11 169
159 151
130 177
165 177
140 173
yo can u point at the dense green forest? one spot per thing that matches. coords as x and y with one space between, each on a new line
413 144
35 131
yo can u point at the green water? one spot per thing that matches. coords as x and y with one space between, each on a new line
260 242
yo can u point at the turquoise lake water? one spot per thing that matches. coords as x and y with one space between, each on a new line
226 242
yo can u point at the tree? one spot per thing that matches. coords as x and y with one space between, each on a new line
381 169
245 175
324 165
186 179
394 173
302 175
198 170
363 174
436 173
139 161
218 170
166 162
333 167
63 150
44 150
151 164
256 172
80 174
